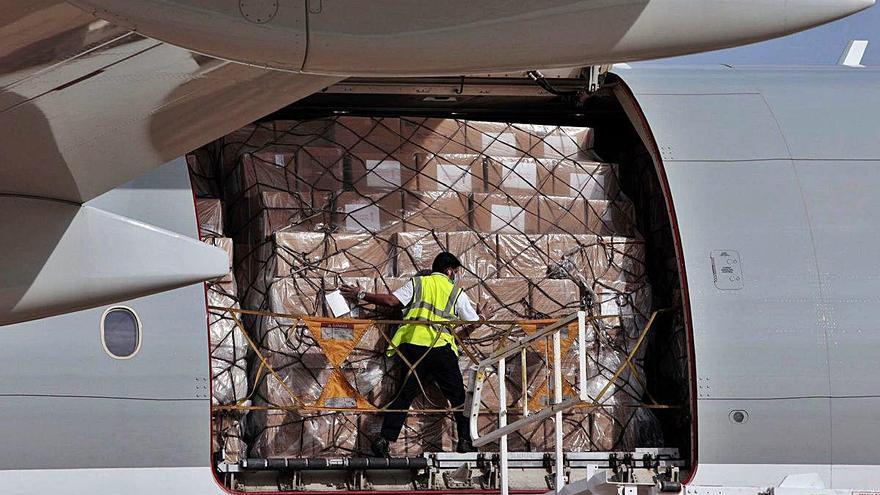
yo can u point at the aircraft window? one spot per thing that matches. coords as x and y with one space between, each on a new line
121 332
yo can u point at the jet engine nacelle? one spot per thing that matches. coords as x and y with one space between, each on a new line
451 37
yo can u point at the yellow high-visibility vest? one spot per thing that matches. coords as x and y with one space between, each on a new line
433 299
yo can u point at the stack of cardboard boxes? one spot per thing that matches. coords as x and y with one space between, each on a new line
540 225
228 345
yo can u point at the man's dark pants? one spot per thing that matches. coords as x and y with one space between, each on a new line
439 365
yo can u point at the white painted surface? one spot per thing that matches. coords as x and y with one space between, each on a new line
144 481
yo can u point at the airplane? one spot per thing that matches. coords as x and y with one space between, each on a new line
100 98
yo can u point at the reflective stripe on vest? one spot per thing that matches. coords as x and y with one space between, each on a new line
429 295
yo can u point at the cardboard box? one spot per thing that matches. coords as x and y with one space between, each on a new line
297 296
456 172
497 139
366 134
518 175
387 285
505 214
263 171
561 214
300 254
204 174
319 168
555 298
290 434
416 251
302 132
375 172
560 142
293 212
434 136
611 217
355 212
435 210
525 256
358 255
475 251
210 214
505 299
587 180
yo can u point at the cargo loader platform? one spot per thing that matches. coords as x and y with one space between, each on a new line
529 472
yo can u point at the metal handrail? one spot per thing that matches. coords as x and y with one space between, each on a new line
558 405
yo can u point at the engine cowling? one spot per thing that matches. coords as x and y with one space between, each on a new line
451 37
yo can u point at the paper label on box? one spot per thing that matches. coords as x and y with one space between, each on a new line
609 305
454 177
280 161
417 251
583 184
508 219
522 175
383 173
337 303
362 217
499 141
558 145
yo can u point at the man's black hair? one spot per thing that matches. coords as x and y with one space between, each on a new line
445 261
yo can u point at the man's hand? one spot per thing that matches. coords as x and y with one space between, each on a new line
350 292
483 311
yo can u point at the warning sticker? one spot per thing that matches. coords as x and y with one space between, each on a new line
337 331
341 402
726 269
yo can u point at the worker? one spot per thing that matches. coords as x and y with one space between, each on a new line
430 348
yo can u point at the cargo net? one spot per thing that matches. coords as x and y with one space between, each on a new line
538 221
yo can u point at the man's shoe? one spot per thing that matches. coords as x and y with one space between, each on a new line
380 447
464 446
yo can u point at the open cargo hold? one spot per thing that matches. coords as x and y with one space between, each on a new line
543 227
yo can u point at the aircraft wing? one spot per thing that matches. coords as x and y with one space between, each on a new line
86 106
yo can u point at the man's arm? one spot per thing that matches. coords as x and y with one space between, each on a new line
465 310
387 300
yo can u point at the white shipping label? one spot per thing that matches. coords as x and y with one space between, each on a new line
558 145
279 160
417 251
362 218
454 177
585 185
508 219
499 141
383 173
609 305
521 175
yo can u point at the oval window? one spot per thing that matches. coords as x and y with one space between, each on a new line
121 332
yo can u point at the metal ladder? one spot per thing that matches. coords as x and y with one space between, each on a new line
557 407
558 404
